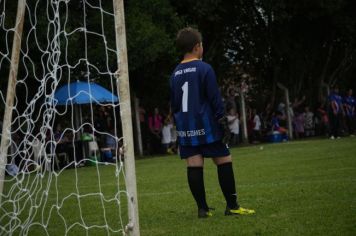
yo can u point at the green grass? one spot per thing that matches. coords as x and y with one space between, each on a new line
297 188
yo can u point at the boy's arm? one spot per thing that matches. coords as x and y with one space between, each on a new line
213 93
215 100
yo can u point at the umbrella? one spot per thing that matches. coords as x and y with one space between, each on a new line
83 93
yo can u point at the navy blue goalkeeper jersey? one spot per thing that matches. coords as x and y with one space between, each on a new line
196 103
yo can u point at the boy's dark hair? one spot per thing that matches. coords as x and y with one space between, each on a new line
187 38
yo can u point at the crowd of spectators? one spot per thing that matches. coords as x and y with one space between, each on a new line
333 118
99 138
158 132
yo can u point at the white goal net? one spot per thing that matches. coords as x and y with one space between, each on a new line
64 164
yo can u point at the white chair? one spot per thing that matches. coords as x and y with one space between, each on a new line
93 148
39 154
41 157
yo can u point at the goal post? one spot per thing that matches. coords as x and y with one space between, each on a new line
15 57
123 87
67 162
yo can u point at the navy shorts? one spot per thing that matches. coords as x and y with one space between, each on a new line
216 149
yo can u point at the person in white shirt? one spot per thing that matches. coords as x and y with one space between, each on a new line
173 146
257 127
309 124
166 135
234 125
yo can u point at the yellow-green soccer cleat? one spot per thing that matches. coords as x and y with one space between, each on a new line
239 211
203 213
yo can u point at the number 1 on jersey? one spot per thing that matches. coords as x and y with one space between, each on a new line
185 97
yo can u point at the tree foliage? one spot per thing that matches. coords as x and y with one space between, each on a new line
151 29
302 44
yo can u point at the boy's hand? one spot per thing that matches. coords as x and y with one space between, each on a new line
223 122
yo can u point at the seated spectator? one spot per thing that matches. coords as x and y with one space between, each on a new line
111 148
276 118
110 141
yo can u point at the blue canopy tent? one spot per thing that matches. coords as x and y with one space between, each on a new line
83 93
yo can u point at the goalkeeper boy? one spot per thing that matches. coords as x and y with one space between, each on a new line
202 128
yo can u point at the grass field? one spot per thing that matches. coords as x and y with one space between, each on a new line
297 188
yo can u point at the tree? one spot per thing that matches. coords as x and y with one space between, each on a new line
300 44
151 29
